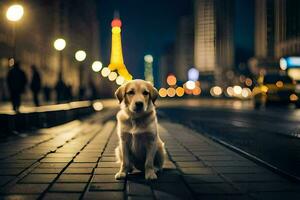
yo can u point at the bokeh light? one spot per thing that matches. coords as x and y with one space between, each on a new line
112 76
80 55
279 84
148 58
120 80
179 91
248 82
171 80
97 106
59 44
105 72
190 85
97 66
15 12
237 89
196 91
230 91
246 92
162 92
193 74
171 92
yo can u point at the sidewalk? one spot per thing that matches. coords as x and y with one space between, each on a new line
76 161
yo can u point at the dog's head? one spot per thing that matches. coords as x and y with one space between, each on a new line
138 96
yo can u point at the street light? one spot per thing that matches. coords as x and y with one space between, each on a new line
15 12
80 55
97 66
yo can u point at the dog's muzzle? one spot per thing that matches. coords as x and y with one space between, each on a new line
139 106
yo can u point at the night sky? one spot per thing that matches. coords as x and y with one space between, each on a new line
149 25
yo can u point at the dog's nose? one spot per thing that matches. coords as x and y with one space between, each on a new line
139 105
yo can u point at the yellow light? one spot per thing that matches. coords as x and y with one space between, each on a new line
293 97
230 91
120 80
97 66
248 82
171 80
216 91
80 55
237 89
264 88
97 106
15 12
112 76
279 84
196 91
162 92
148 58
171 92
179 91
190 85
59 44
246 92
116 57
105 72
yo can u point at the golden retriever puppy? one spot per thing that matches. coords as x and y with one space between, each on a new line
139 143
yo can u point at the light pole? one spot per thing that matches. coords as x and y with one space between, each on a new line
14 14
80 56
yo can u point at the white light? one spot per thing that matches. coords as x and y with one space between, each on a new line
80 55
246 92
97 106
237 89
97 66
148 58
105 72
15 12
120 80
193 74
112 76
59 44
190 85
216 91
283 63
230 91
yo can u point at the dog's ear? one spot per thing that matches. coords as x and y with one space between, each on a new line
153 92
120 93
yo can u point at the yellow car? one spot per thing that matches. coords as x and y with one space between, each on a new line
274 88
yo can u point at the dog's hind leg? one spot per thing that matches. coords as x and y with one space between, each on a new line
159 157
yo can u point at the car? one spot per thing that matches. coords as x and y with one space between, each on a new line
274 88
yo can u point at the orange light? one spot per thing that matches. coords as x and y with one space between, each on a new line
171 80
171 92
248 82
180 91
162 92
196 91
293 97
279 84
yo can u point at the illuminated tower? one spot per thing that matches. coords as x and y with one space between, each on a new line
116 57
148 68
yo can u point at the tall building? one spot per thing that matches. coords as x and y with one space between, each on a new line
214 39
184 47
44 21
166 64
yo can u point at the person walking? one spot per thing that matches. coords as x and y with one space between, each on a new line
16 81
35 85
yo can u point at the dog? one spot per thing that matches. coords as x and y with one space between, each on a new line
139 143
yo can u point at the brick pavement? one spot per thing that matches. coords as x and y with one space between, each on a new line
76 161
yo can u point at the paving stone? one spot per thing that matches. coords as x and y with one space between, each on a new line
230 163
46 171
19 197
135 188
104 170
60 155
11 171
223 197
163 195
103 195
108 164
177 189
5 179
254 177
276 195
68 187
52 165
108 159
38 178
84 160
78 170
24 189
204 178
106 186
140 198
196 170
213 188
268 186
240 170
81 165
183 158
190 164
73 178
55 160
105 178
61 196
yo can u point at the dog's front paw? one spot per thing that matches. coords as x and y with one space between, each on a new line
120 175
150 175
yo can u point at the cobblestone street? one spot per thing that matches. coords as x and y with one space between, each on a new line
76 161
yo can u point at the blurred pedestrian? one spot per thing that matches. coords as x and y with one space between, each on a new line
16 81
60 89
35 85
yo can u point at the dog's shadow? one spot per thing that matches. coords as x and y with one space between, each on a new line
168 185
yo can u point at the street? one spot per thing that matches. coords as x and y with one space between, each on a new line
76 160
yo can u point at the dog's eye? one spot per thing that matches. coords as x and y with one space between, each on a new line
130 92
145 93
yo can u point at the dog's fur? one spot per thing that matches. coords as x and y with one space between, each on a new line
139 143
